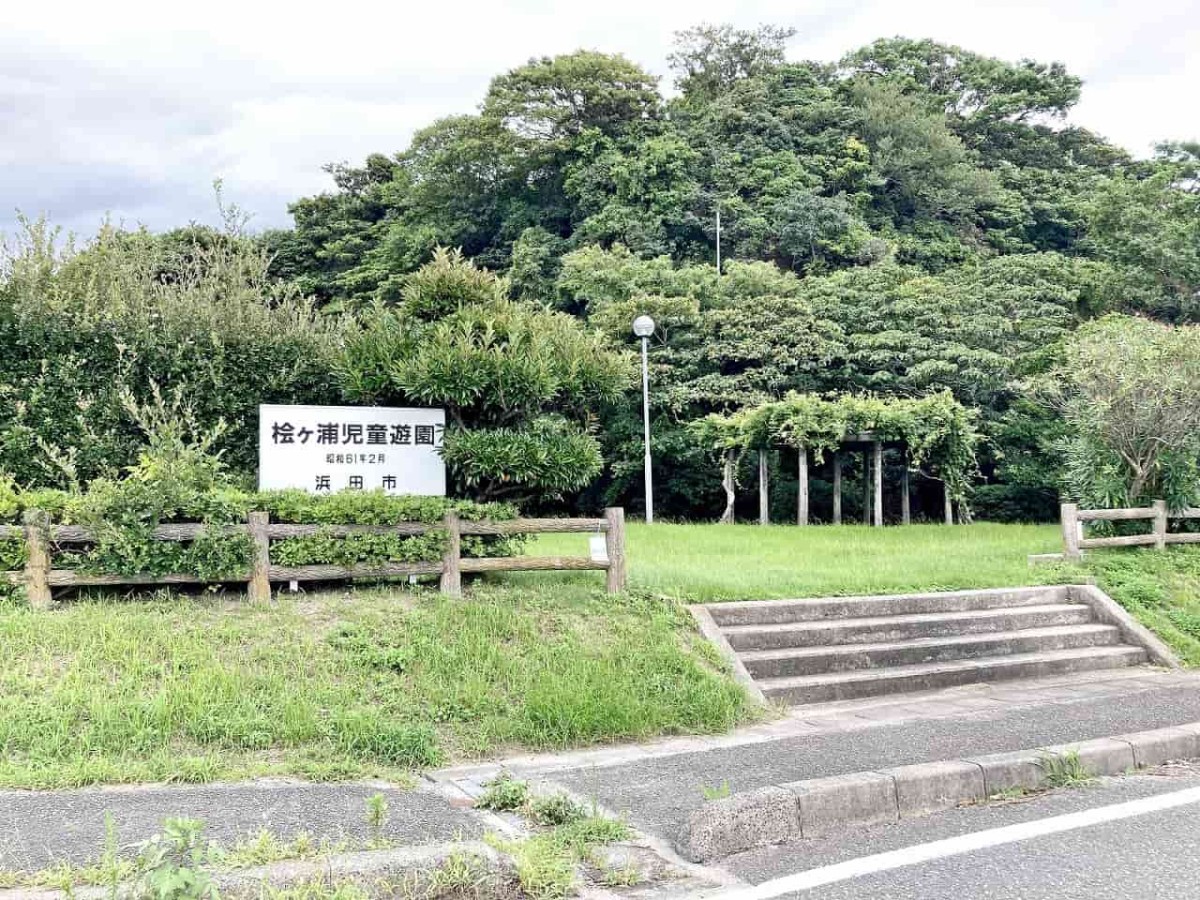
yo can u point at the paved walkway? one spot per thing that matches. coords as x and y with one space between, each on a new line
658 785
39 828
655 784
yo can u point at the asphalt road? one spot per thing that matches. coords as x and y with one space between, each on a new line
1152 854
658 794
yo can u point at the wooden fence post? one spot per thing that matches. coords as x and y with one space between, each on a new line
1160 524
614 540
259 588
1070 531
37 559
452 561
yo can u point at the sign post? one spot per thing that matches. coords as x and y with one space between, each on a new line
323 449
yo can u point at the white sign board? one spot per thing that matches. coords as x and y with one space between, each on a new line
323 449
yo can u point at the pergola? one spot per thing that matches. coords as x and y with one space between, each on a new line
871 446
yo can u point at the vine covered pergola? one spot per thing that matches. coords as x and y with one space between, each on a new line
935 436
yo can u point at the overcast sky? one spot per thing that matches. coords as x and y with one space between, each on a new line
134 108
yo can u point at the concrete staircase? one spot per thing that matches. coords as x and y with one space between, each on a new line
814 651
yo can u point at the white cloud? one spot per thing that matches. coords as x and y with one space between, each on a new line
135 107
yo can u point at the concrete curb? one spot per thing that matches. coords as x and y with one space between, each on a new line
712 632
1110 612
803 809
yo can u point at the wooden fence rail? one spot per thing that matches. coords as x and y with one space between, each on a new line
1074 542
39 576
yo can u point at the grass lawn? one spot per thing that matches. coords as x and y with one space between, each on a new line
388 680
747 562
373 682
1161 588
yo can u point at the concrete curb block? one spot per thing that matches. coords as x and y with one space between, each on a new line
825 803
819 806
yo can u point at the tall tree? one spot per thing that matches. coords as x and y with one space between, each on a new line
557 99
709 59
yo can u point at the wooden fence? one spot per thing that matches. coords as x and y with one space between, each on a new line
1074 543
39 577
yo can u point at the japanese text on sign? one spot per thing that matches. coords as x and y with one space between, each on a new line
331 448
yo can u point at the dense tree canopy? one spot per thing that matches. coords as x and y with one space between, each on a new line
911 219
906 149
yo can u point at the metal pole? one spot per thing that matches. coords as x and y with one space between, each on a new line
646 424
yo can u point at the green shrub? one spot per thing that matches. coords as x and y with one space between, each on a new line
10 500
12 559
376 508
170 864
326 549
128 310
370 508
519 383
58 504
180 476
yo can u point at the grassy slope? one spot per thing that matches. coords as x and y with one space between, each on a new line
1161 588
381 681
338 685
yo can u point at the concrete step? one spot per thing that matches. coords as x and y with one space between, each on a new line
775 612
931 676
855 657
884 629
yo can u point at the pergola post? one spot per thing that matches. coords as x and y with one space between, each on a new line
949 504
837 487
866 488
764 502
729 482
877 452
802 487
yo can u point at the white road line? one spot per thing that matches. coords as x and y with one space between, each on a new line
966 843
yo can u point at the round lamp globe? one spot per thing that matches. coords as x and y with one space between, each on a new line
643 326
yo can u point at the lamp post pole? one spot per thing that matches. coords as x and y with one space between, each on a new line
643 327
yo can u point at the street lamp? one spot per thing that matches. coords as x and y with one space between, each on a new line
643 327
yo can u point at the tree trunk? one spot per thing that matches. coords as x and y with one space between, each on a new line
727 482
